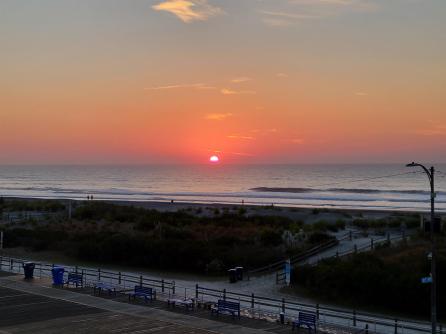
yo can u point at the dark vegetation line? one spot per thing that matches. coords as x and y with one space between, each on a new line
182 240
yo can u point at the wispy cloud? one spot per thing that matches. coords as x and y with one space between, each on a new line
180 86
189 10
243 154
297 141
241 137
433 130
361 94
265 131
286 15
218 116
290 12
282 75
241 79
227 91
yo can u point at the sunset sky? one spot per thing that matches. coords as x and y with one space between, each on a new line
253 81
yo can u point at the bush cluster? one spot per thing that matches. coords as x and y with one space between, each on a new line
387 279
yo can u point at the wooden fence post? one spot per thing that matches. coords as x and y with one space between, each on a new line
119 278
196 291
162 285
173 287
252 300
354 318
140 280
99 274
224 294
396 326
317 311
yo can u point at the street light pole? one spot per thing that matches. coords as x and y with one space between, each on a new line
431 173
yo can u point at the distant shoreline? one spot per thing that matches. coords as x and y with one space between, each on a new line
276 209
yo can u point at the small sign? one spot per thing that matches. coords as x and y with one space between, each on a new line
426 280
288 272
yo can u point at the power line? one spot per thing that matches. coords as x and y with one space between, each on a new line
370 178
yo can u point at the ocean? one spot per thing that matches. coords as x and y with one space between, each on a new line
375 187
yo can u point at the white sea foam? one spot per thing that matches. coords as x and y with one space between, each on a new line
311 186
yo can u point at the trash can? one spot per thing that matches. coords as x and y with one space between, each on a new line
28 268
57 273
282 318
239 273
232 276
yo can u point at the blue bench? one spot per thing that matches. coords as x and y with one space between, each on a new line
305 319
75 279
224 306
143 292
101 286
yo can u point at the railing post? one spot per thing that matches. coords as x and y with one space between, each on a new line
317 311
11 264
173 287
83 278
119 278
372 244
252 300
140 280
354 318
366 328
1 262
283 305
196 291
396 326
388 236
99 274
75 268
224 294
350 235
162 285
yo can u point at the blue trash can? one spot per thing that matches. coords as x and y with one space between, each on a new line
57 273
28 268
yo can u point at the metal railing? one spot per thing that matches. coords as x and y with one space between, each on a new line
252 305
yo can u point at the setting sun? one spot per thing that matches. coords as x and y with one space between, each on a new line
214 159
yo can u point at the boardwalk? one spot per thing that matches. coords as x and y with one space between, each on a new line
38 308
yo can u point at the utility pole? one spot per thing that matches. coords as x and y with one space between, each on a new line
433 256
